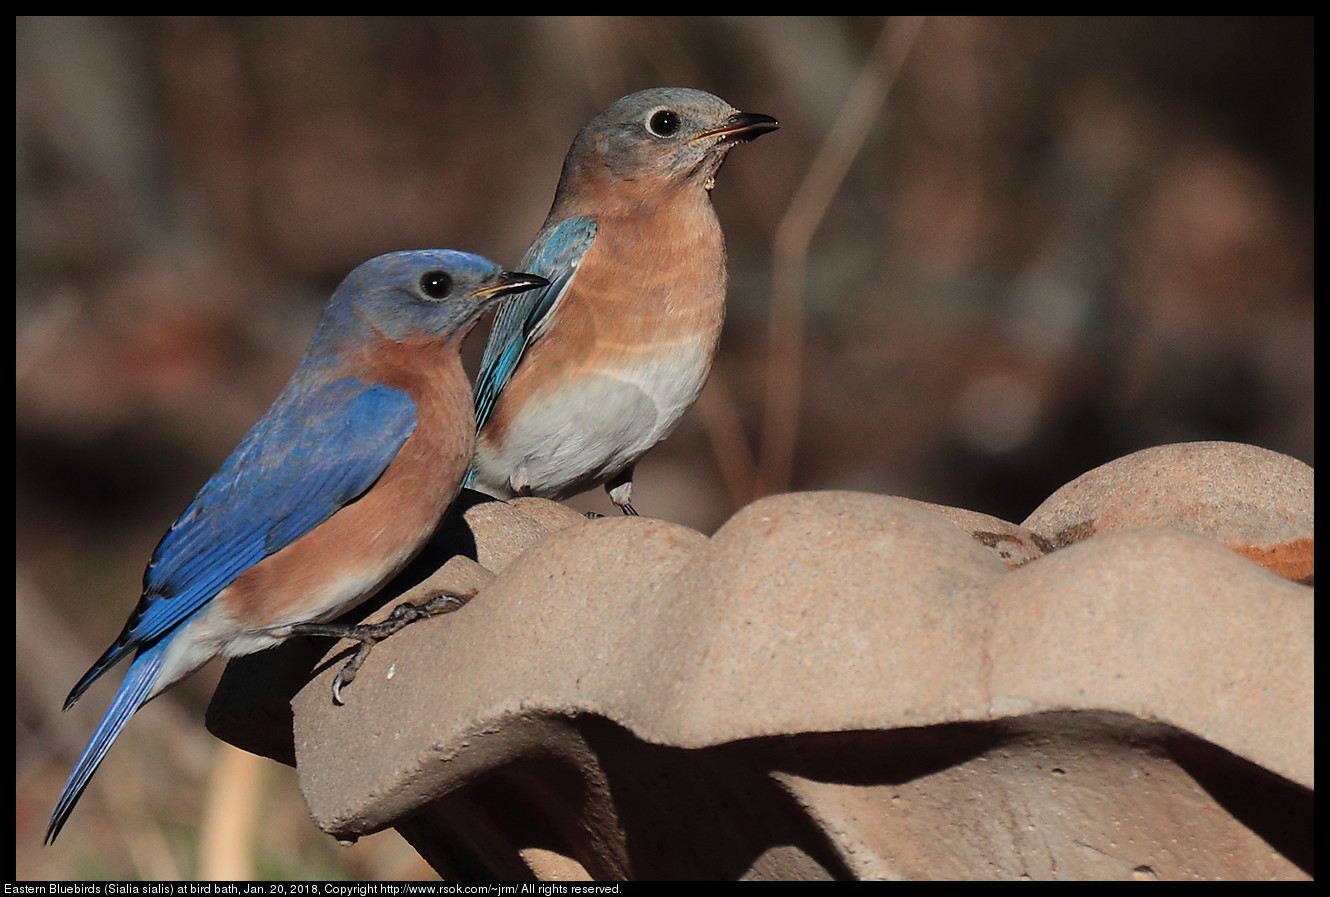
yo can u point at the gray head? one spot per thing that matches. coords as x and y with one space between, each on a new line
430 293
662 134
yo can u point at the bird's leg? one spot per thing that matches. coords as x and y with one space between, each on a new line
620 490
370 634
447 589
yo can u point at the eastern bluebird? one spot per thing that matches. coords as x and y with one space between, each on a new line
581 378
330 494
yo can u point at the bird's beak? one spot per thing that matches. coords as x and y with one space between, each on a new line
510 282
742 126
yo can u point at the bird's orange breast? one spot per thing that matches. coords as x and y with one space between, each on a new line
652 283
350 555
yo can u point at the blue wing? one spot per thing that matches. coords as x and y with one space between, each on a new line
522 319
315 451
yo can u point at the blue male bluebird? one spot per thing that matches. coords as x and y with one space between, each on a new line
581 378
329 496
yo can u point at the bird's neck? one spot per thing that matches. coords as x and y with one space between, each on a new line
598 194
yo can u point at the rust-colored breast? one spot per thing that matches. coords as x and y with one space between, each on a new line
653 281
349 556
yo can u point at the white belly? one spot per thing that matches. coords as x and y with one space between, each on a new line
568 442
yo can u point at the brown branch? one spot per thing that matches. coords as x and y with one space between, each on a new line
794 234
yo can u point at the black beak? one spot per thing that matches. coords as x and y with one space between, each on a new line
511 282
743 126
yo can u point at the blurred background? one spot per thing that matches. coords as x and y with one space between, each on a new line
979 258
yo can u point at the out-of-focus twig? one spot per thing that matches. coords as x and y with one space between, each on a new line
793 236
720 417
231 817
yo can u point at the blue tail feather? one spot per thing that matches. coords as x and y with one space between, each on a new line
133 692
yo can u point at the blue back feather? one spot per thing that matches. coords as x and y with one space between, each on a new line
312 453
522 319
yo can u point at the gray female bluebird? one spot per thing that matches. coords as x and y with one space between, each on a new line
581 378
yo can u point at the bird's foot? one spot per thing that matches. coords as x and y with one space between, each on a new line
370 634
620 490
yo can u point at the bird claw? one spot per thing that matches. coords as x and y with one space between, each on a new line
344 677
370 634
620 491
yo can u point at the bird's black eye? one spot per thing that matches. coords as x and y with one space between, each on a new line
664 122
436 284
